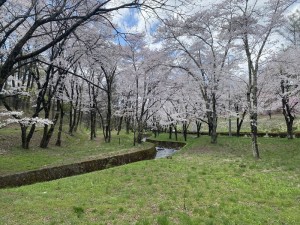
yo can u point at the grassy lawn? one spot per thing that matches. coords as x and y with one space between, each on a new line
75 148
201 184
265 124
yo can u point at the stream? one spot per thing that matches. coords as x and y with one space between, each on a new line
164 152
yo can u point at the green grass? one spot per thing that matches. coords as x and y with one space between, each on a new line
79 147
201 184
75 148
265 124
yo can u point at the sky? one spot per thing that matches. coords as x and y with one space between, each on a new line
135 21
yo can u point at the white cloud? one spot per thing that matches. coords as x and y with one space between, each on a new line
139 21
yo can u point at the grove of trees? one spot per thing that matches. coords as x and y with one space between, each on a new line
67 63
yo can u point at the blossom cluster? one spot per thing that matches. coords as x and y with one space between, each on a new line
13 92
23 121
30 121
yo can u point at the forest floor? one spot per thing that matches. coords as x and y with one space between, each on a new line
200 184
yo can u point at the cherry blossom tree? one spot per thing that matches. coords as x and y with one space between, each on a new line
283 72
201 44
255 23
147 83
29 30
291 29
24 22
24 122
107 65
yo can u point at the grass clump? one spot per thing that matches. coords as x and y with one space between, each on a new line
79 211
163 220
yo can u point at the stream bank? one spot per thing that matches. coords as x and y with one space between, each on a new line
57 172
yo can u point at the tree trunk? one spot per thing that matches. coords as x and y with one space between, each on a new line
46 139
93 124
26 138
253 119
58 141
71 119
108 118
45 130
214 121
239 123
78 120
127 120
155 133
184 130
120 125
106 136
198 125
79 106
209 123
287 109
74 120
140 130
25 144
176 133
238 128
170 131
289 125
229 127
139 137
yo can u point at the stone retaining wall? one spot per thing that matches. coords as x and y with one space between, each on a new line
57 172
167 144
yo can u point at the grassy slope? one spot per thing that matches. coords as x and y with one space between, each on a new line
75 148
202 184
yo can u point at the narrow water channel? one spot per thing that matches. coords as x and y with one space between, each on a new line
164 152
